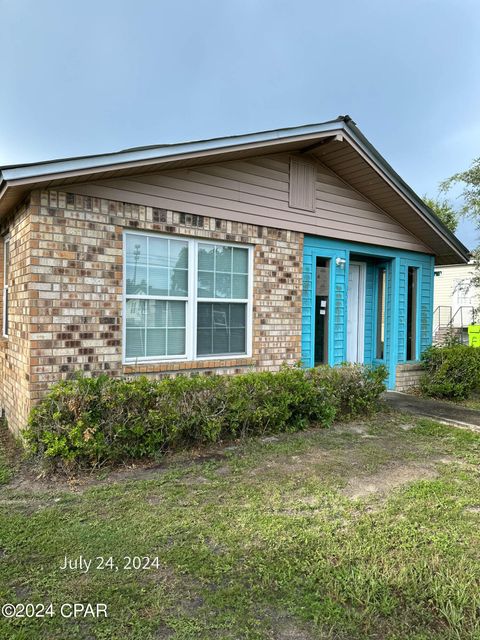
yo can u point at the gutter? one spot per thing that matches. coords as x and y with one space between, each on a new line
24 171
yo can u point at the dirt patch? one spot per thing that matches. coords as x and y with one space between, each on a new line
8 445
475 509
223 471
30 479
303 506
284 627
291 632
194 481
387 479
164 632
355 428
407 426
25 505
333 454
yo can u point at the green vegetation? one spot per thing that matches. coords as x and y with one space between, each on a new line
364 530
5 471
473 402
93 421
7 453
469 180
469 183
443 210
451 371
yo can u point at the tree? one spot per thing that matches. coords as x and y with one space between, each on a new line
470 183
443 210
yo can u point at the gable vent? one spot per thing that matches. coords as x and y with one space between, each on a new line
302 185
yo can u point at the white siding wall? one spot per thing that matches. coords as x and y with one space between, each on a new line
447 293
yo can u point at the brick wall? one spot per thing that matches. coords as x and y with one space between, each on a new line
408 376
75 289
15 350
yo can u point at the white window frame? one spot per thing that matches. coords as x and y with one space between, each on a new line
6 242
190 302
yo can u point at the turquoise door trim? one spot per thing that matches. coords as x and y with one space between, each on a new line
424 303
392 360
397 262
334 314
391 266
374 320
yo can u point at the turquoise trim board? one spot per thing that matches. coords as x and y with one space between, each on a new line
396 263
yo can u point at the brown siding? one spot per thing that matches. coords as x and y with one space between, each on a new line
255 191
350 163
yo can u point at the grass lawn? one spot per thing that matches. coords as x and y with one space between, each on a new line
367 530
471 403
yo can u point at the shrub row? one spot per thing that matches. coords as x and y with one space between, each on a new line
89 421
451 371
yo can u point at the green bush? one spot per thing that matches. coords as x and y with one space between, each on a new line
269 402
451 371
356 389
85 422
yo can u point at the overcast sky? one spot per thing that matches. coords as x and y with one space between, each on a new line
87 76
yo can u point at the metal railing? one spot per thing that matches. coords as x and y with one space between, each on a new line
446 323
441 317
462 317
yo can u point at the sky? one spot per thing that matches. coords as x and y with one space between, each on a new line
82 76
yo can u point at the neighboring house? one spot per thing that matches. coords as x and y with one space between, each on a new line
220 256
455 300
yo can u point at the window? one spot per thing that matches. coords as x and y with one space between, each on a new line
185 299
381 299
156 288
463 293
412 314
6 260
322 291
222 294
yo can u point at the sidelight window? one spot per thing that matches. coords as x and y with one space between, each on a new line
412 314
381 303
185 299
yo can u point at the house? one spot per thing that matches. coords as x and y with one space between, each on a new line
455 300
216 256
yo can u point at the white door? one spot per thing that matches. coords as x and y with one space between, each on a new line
356 311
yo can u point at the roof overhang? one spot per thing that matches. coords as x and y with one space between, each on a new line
338 144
